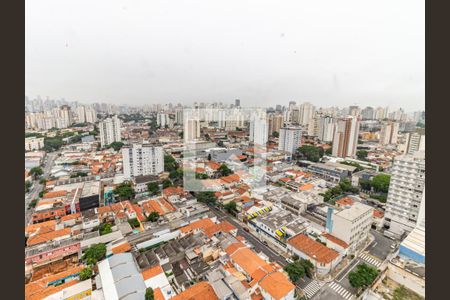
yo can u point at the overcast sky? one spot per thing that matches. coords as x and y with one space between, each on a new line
334 52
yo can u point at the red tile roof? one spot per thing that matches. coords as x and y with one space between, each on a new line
200 291
335 240
313 249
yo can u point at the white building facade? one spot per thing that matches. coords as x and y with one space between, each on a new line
110 131
405 193
290 139
142 159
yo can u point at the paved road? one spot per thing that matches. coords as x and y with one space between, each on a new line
259 246
37 187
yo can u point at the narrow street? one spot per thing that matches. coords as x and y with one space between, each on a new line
37 187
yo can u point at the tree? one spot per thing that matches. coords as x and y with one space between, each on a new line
207 197
310 152
295 271
209 156
420 125
33 203
153 188
116 145
365 184
295 257
153 216
231 207
86 273
362 154
167 183
27 186
169 163
94 253
275 134
402 293
201 176
149 294
79 174
53 143
224 170
347 187
363 276
124 191
105 228
329 151
36 172
353 164
43 181
220 144
134 223
176 174
381 182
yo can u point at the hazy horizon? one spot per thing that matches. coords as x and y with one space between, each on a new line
266 53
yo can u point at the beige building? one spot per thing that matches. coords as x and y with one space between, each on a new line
351 225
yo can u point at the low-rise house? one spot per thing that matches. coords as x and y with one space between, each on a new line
323 258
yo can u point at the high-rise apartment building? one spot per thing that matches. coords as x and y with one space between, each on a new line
162 120
415 141
191 129
86 114
405 193
354 111
258 131
142 159
368 113
306 113
345 138
290 139
326 129
275 123
110 131
389 133
237 103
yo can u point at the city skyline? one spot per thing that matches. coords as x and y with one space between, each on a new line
148 53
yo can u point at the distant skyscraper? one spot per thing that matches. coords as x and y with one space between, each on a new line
405 194
142 159
368 113
110 131
345 137
389 133
354 111
290 139
237 103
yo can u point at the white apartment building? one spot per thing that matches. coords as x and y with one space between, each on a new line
352 225
415 142
290 139
33 143
345 138
405 193
162 119
191 129
306 113
326 129
110 131
389 133
275 123
259 132
86 114
142 159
